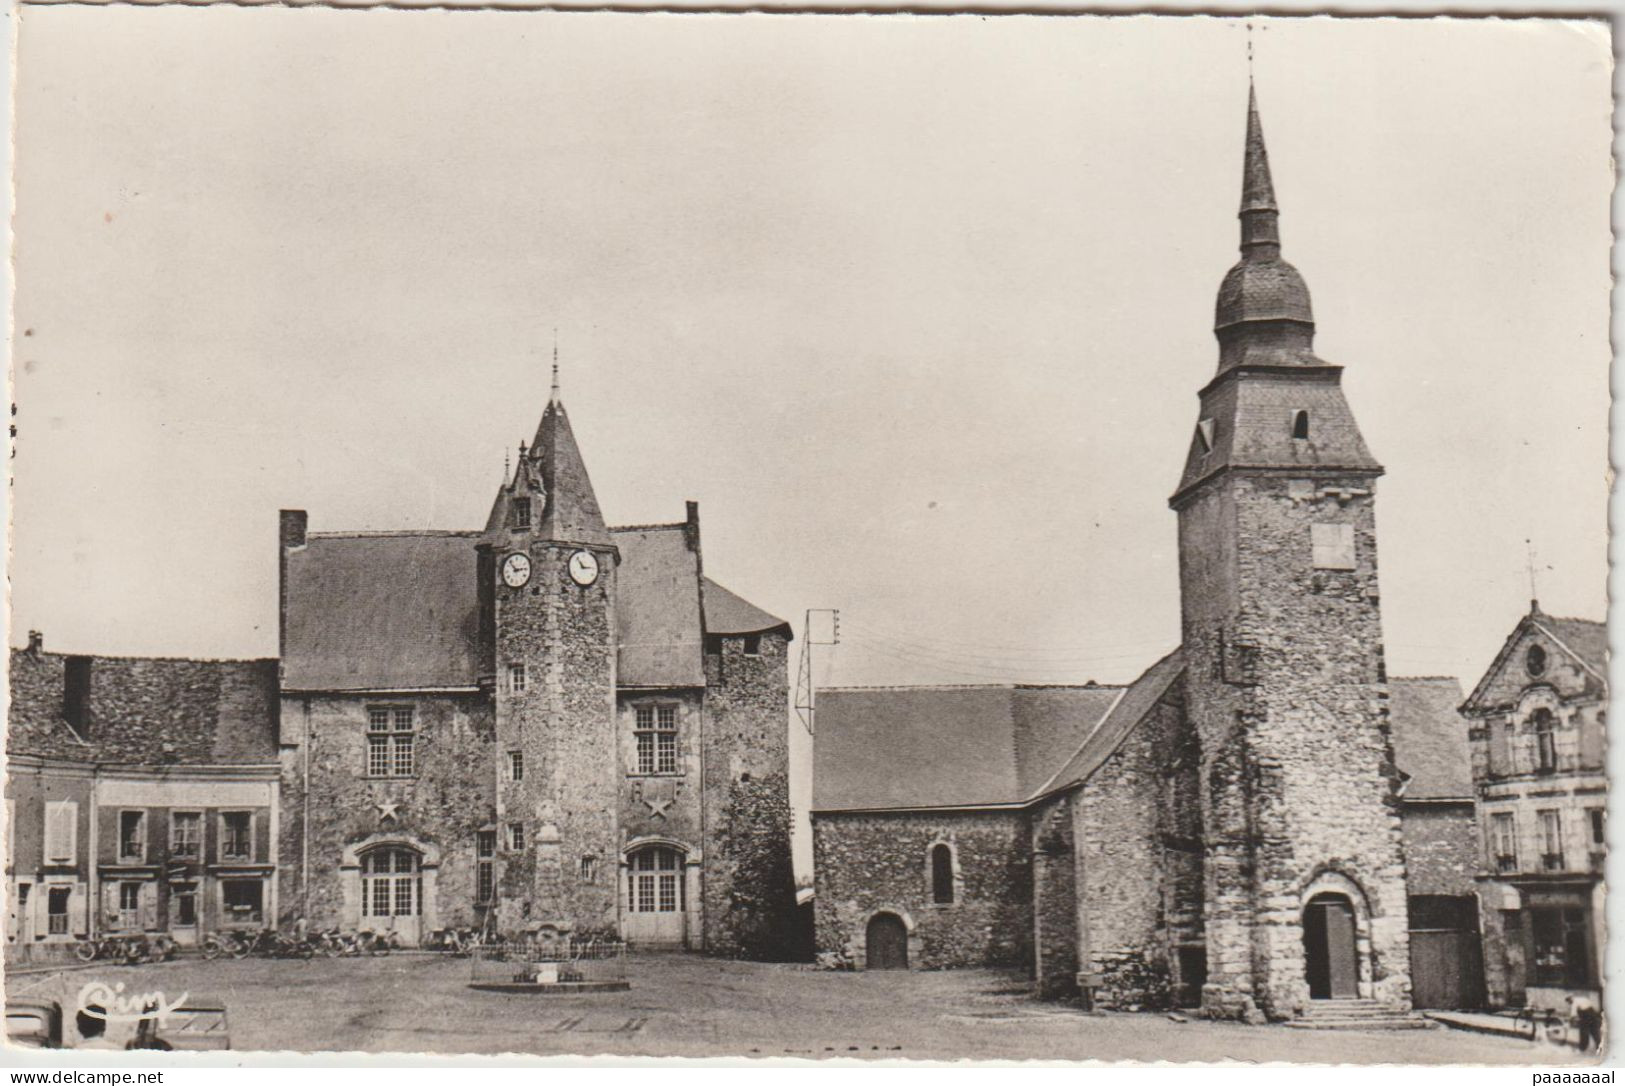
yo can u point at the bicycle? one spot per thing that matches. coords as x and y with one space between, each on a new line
122 949
1537 1021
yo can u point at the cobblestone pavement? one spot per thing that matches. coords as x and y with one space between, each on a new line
690 1006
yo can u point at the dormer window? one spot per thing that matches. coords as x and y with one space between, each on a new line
1204 434
1300 426
76 694
521 512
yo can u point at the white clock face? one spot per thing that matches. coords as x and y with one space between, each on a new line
515 570
583 568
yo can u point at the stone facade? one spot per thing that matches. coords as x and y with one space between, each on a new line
872 864
546 726
1538 729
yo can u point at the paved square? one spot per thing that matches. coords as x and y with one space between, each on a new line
682 1005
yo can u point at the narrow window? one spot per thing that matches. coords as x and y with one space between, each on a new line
521 512
485 847
516 837
56 909
589 869
61 832
1300 425
516 765
942 875
132 836
186 835
1599 833
1204 434
1551 838
76 694
129 906
1504 836
516 678
237 835
1545 741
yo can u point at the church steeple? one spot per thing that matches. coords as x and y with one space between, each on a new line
1263 313
570 512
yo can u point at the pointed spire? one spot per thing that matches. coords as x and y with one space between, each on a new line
553 396
571 514
1260 234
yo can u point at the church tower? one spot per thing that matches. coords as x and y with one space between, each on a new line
547 569
1282 629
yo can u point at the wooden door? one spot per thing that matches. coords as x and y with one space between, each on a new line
656 909
887 943
1342 968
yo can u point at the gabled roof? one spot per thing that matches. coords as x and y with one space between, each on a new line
1583 639
726 613
1430 738
1125 715
382 611
902 748
657 607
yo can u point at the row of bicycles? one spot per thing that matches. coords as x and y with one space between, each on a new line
133 949
270 943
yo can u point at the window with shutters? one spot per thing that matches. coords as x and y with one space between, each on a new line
1333 545
236 836
1551 839
129 906
132 837
61 832
186 835
57 899
391 741
1504 840
656 736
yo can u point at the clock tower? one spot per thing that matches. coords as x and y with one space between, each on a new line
1282 631
547 570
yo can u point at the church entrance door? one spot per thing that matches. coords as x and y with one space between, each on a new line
1330 961
887 944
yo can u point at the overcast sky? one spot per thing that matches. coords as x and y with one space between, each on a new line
916 308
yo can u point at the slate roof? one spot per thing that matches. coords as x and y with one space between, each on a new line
570 510
657 608
400 611
726 613
382 611
1585 638
1129 710
1430 738
900 748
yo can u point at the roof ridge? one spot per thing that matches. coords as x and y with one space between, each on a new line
155 659
662 526
921 686
1070 686
1571 618
402 533
1424 678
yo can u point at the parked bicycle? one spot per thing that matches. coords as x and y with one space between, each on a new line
1537 1022
121 949
224 944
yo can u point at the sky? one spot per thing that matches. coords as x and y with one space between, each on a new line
915 307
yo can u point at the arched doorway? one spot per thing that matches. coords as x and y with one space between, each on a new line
1331 961
886 943
392 891
656 897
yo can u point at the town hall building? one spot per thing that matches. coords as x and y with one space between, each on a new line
1227 832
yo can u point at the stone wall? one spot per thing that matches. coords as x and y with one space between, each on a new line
749 887
871 863
1055 898
438 811
1138 854
1442 853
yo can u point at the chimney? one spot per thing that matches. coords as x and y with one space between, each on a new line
292 528
36 641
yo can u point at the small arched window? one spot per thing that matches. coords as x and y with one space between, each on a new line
1300 425
1545 741
1534 661
942 875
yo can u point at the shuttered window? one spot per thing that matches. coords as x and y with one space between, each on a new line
61 831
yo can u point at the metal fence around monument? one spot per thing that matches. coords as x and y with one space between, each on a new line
547 962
